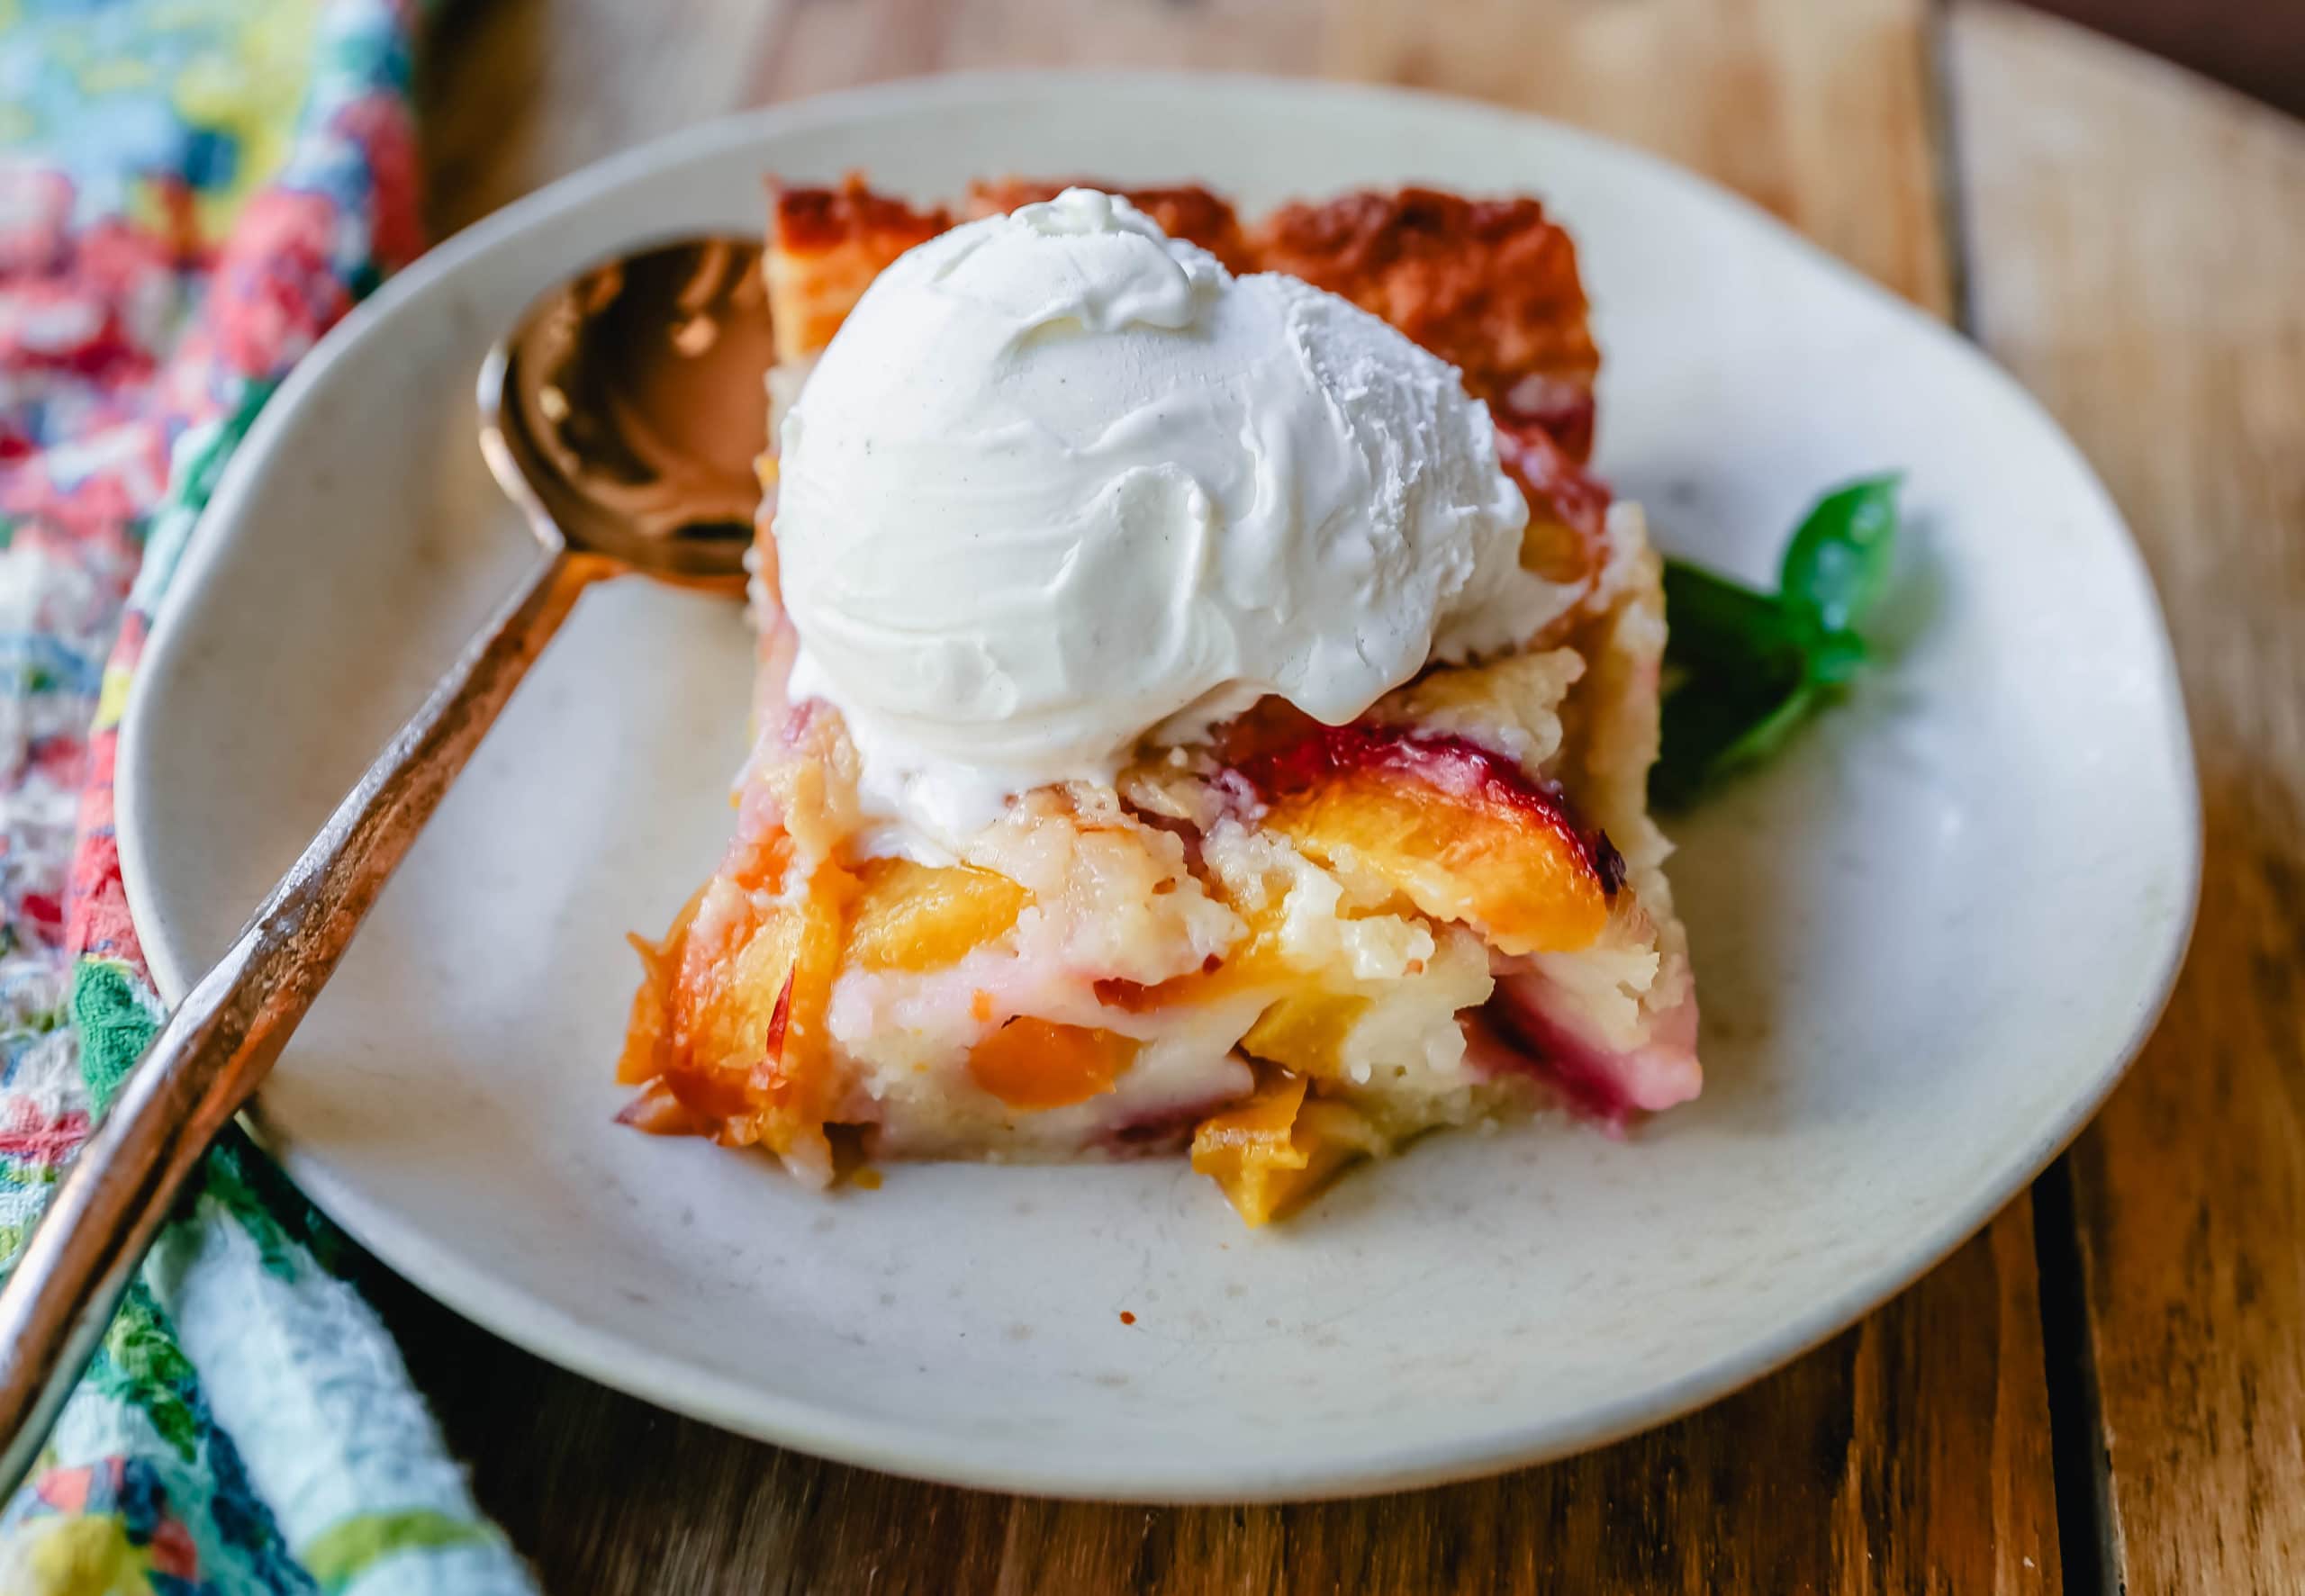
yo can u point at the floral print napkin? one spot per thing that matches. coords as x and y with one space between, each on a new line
191 193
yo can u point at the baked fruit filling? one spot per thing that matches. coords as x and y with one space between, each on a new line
1277 945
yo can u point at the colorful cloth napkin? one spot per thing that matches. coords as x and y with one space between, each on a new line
191 192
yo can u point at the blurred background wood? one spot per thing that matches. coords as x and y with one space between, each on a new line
2257 45
2125 235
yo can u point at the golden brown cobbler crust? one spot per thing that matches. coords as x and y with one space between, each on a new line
825 245
1186 211
1490 286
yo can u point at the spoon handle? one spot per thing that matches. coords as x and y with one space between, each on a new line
214 1050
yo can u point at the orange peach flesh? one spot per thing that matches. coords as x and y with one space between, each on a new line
1032 1064
1279 1146
1459 831
919 917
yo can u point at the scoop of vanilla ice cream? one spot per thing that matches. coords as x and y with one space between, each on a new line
1062 481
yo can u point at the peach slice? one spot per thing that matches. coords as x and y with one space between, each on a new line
727 1030
1461 831
1276 1147
753 1014
648 1034
1032 1064
1305 1031
919 917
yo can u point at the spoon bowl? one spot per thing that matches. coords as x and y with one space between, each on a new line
627 411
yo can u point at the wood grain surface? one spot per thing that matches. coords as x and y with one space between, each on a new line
2130 236
2140 248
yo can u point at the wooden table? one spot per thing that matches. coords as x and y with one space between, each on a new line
2109 1382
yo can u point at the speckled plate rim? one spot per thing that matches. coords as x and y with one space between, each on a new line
896 1447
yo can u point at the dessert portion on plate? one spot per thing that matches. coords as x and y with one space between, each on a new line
1204 702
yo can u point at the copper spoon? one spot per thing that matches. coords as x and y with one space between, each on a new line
622 415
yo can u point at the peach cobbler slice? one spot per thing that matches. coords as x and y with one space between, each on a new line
1282 946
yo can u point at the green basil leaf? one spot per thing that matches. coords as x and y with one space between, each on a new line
1766 735
1837 658
1715 625
1712 722
1733 657
1839 561
1745 669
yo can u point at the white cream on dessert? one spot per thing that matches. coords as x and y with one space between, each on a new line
1062 481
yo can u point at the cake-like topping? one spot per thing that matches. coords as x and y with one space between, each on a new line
1062 481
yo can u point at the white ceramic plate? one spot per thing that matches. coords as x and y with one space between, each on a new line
1927 942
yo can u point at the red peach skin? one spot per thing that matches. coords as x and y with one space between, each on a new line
1541 1029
